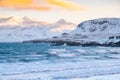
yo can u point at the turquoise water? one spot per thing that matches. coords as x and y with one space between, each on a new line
22 52
40 61
28 52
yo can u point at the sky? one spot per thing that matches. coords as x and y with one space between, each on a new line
74 11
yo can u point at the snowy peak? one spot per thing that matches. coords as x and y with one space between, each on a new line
98 30
29 21
13 29
10 18
10 21
7 19
61 21
106 25
26 18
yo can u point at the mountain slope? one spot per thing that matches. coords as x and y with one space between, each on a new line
106 25
16 30
98 29
97 32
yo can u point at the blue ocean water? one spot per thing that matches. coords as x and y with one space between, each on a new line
41 61
29 52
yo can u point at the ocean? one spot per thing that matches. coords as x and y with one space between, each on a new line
41 61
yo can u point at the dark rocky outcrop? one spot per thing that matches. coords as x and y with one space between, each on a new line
74 43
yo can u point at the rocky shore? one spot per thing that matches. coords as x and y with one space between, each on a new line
74 43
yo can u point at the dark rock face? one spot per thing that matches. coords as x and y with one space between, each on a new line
92 29
69 43
99 22
80 25
91 44
73 43
113 44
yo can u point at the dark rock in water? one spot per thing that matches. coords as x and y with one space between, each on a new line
117 44
61 42
73 43
91 44
113 44
57 44
35 41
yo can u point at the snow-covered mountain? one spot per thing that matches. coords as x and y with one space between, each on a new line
103 31
14 29
99 30
106 25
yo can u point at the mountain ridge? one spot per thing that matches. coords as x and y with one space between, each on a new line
19 29
102 31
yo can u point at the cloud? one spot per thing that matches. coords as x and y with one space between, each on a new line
65 4
23 4
36 5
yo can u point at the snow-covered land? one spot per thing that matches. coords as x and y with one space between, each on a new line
14 29
103 31
99 30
